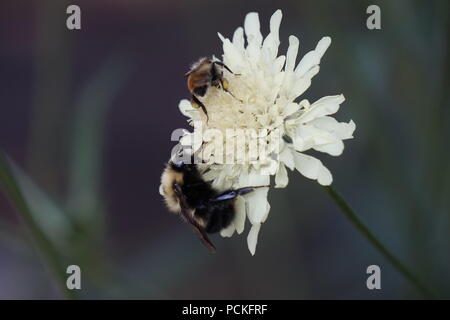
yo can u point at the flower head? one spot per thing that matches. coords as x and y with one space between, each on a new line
261 106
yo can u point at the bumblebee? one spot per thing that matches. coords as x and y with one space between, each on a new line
204 74
204 208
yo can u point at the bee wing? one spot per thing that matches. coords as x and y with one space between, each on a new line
186 215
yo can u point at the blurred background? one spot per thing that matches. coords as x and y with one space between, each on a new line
85 124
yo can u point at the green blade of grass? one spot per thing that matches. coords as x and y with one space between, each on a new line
84 197
84 200
13 182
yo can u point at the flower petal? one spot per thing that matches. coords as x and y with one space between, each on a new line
232 56
312 168
290 108
272 41
287 158
329 134
281 178
185 107
313 136
302 84
333 149
322 107
269 168
257 204
304 141
191 139
313 57
322 46
341 130
275 21
221 37
252 29
278 65
254 38
238 39
291 55
252 238
228 231
239 219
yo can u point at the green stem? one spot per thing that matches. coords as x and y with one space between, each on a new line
361 227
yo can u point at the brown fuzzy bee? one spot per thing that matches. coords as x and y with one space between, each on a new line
204 74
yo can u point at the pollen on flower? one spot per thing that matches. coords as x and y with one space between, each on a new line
263 90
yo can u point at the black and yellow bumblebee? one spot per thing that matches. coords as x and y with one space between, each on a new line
207 210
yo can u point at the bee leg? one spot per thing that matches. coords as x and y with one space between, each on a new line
231 194
224 85
200 104
187 216
225 66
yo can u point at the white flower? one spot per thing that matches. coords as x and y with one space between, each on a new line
265 89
